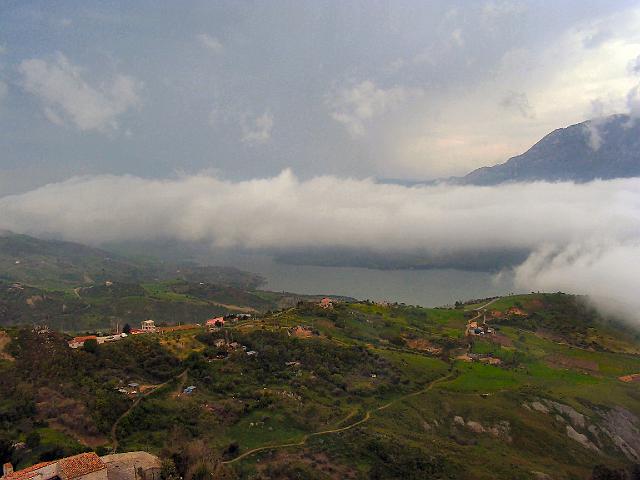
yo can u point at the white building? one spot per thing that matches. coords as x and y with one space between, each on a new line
148 326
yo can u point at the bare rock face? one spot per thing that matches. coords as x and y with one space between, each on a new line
500 430
617 427
623 427
475 427
458 420
581 439
577 419
539 407
541 476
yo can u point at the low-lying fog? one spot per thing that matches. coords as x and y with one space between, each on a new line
583 238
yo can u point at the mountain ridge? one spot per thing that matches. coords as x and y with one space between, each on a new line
602 148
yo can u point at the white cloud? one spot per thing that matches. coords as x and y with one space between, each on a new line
584 237
457 38
211 43
607 271
362 213
257 129
357 105
67 98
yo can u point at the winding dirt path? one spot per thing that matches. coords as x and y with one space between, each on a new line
114 438
478 315
366 418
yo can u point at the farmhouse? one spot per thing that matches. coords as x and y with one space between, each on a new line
301 331
326 303
78 342
148 326
215 323
85 466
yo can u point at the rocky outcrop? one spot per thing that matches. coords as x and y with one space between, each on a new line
500 430
617 427
581 439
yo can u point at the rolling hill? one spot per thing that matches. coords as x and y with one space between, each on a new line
55 263
357 391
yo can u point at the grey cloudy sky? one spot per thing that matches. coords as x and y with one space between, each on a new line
399 89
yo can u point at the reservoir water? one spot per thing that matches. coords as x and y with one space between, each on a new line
415 287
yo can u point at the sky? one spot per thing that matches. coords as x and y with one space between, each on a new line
268 126
240 90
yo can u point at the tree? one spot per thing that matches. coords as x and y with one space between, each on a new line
6 449
91 345
33 440
126 329
168 470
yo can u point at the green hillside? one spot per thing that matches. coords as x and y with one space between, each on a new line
53 263
359 390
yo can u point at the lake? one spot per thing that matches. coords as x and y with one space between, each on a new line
415 287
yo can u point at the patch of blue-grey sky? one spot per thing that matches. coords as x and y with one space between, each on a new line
389 89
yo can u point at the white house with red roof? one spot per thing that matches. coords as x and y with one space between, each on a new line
85 466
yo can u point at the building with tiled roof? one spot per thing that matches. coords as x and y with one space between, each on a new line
85 466
39 471
78 342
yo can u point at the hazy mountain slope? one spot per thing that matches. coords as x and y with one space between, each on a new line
604 148
56 263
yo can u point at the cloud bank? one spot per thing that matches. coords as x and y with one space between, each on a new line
584 238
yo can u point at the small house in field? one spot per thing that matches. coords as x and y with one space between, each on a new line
326 303
215 323
301 331
148 326
78 342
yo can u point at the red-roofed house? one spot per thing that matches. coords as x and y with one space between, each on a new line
215 322
86 466
78 342
326 303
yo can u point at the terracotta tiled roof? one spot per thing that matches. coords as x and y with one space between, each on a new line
26 473
213 321
78 465
84 339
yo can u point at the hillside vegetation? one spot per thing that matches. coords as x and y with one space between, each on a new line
355 390
54 263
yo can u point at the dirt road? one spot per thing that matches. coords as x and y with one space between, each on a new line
366 418
113 435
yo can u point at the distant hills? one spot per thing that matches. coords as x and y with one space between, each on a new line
596 149
46 263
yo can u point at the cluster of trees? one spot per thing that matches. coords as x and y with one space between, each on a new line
76 388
